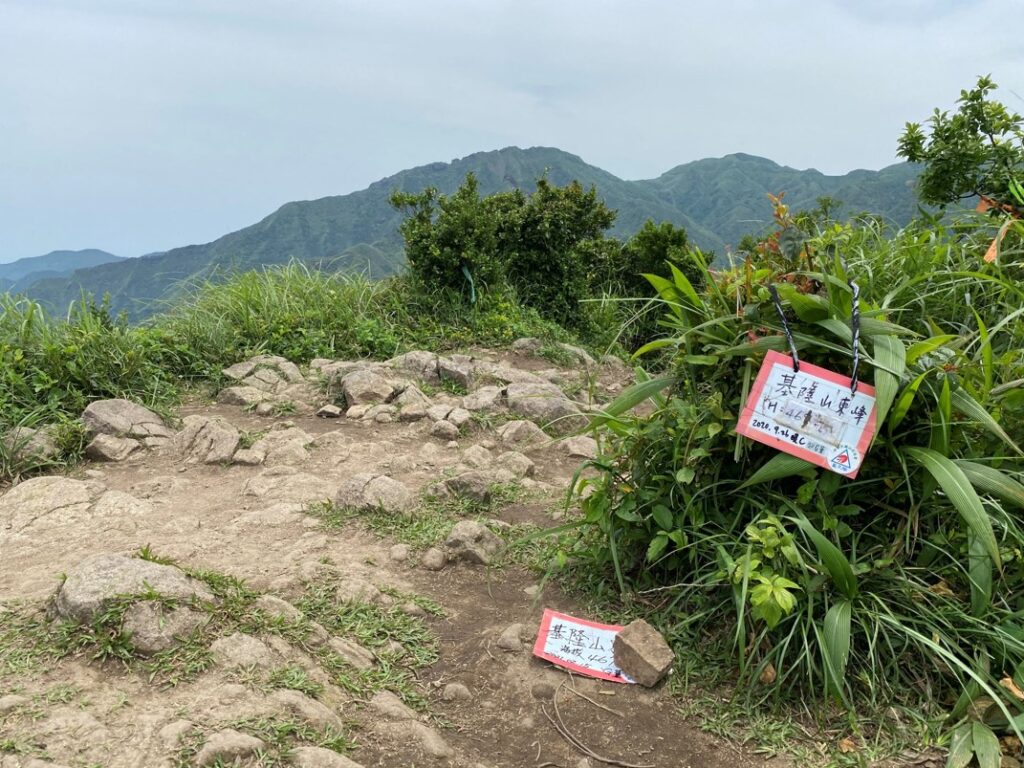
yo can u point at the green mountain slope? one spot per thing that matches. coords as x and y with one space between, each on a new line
716 200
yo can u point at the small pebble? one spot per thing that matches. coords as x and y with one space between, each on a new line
456 692
542 690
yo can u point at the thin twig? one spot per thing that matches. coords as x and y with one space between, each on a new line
597 704
569 736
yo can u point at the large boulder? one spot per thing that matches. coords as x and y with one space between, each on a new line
210 440
95 582
365 387
123 418
419 364
472 542
366 491
545 403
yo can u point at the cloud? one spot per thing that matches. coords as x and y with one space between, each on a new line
141 126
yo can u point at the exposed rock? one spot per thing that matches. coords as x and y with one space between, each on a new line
243 396
477 456
330 412
153 627
210 440
25 444
444 430
399 553
12 702
352 652
366 491
453 370
474 485
511 639
173 734
283 446
422 365
275 607
411 396
528 345
504 374
484 400
542 690
109 448
96 581
579 355
363 387
412 412
301 706
388 705
524 434
227 746
546 403
472 542
299 487
240 650
456 692
319 757
425 737
123 418
433 559
356 589
439 412
459 417
356 412
580 446
517 464
642 653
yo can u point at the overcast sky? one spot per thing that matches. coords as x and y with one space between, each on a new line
136 126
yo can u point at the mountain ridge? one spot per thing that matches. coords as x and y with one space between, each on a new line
717 200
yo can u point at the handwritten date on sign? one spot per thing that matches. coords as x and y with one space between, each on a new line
811 413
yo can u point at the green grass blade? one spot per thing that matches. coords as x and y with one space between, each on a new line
990 480
968 406
961 494
985 745
890 364
834 561
779 466
632 396
835 647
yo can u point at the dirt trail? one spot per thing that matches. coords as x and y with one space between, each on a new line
266 522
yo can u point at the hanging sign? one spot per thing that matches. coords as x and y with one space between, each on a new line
580 645
811 413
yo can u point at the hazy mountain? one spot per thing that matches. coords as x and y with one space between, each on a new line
55 263
716 200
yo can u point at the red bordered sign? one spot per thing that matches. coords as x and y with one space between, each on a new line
580 645
811 413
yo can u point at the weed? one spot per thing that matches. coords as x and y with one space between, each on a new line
249 438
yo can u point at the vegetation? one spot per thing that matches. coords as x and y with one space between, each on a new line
901 588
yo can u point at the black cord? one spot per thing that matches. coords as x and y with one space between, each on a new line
855 328
785 327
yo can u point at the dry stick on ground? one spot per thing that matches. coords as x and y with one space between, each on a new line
599 705
574 740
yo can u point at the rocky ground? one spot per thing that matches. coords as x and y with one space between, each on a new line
257 584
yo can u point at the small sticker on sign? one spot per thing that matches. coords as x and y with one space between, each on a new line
811 413
580 645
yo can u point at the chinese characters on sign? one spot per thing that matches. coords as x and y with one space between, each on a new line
580 645
811 414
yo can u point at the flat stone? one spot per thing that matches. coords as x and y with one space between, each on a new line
459 372
642 653
418 363
425 737
227 746
474 485
105 447
517 464
439 412
366 491
276 608
477 456
305 708
330 412
399 553
484 400
174 733
12 702
96 581
546 403
242 396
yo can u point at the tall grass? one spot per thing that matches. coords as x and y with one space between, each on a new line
903 587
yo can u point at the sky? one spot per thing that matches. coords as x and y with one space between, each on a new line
138 126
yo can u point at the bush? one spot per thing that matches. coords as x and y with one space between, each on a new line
903 586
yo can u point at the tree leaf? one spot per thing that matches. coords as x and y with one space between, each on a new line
961 747
985 745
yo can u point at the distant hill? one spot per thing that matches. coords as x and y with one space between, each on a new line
53 264
716 200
